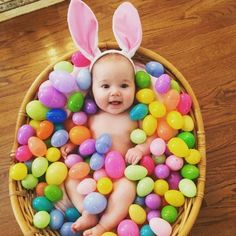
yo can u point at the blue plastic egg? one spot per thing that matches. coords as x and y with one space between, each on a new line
59 138
138 112
146 231
83 79
154 68
56 115
42 204
72 214
97 161
140 201
67 231
103 143
56 219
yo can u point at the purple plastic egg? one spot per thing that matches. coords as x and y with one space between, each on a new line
79 118
73 159
174 179
87 148
162 84
23 153
45 84
153 201
90 106
153 214
162 171
24 133
185 103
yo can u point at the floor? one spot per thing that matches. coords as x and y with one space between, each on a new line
198 37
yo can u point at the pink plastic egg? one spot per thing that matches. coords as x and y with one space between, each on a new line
148 163
24 133
185 103
127 227
98 174
86 186
37 146
23 153
79 60
72 159
157 146
160 227
174 163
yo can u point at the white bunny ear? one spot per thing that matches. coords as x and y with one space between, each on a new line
127 28
83 27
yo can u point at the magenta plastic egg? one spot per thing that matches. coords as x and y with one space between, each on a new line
98 174
127 227
157 146
63 81
24 133
114 165
87 148
73 159
86 186
174 179
51 97
45 84
160 227
79 118
23 153
185 104
162 171
153 201
148 163
162 84
174 163
79 60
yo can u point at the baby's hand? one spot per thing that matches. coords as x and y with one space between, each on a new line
67 148
133 155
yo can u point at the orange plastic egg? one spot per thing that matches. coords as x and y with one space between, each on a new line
171 99
79 134
45 129
69 124
79 170
37 146
40 188
164 131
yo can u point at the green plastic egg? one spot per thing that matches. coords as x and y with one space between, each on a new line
189 171
75 102
188 138
142 79
29 182
138 136
39 166
159 159
64 66
53 192
187 187
36 110
169 213
135 172
175 85
41 219
174 198
145 186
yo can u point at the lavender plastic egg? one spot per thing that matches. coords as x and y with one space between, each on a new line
90 106
87 148
97 161
73 159
59 138
162 171
83 79
103 143
24 133
66 230
79 118
152 214
162 84
56 219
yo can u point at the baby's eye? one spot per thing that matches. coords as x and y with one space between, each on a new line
105 86
124 86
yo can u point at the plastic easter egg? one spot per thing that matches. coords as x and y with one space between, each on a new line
149 125
56 173
174 198
103 143
174 163
157 109
42 204
94 203
175 120
98 174
79 118
140 201
145 96
66 230
162 171
171 100
29 182
160 187
18 171
188 138
83 79
59 138
128 227
164 131
138 136
87 147
135 172
39 166
24 133
104 185
53 154
63 66
41 219
173 180
178 147
63 81
188 123
114 165
175 85
51 97
23 153
159 159
169 213
146 231
75 102
90 106
160 227
68 124
79 170
185 104
36 110
40 188
56 219
56 115
79 134
148 163
37 146
145 186
187 187
142 79
45 84
154 68
153 201
72 159
86 186
137 214
190 171
138 112
153 214
97 161
72 214
79 60
45 129
194 157
34 124
53 192
162 84
109 234
157 146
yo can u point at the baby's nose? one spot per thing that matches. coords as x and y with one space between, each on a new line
115 92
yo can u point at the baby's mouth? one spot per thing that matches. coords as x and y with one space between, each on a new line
115 102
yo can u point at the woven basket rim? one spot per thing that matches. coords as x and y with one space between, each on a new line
184 226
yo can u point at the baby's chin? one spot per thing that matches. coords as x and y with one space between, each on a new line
115 111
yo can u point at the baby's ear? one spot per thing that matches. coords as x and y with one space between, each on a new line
83 27
127 28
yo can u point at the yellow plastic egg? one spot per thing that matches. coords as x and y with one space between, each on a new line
188 123
104 185
161 187
35 124
18 171
194 157
175 120
109 234
135 172
149 125
157 109
56 173
137 214
145 96
174 198
53 154
178 147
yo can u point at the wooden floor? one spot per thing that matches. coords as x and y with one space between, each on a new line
197 36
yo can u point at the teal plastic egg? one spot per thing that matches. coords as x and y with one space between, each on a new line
72 214
146 231
41 203
135 172
138 112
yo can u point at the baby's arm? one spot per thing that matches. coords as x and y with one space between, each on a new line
67 149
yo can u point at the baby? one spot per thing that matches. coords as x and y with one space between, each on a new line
113 88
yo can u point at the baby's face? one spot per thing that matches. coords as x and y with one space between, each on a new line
113 84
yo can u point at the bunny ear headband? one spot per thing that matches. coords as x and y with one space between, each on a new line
83 27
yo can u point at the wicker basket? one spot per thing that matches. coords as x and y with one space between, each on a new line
21 199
